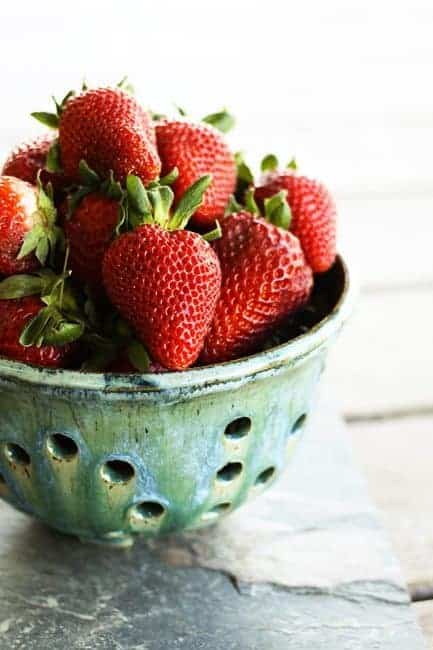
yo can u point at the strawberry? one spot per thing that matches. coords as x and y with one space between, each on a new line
110 130
95 211
30 158
89 232
164 280
313 212
264 279
14 316
27 226
198 149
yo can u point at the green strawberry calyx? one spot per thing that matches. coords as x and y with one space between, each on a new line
60 321
244 176
53 162
140 205
91 182
221 120
276 209
154 204
52 120
134 205
270 163
112 339
45 235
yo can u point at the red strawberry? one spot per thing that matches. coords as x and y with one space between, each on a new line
264 279
30 158
198 149
27 225
164 281
109 129
313 214
14 315
89 232
166 285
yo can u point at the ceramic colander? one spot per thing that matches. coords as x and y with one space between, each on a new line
107 457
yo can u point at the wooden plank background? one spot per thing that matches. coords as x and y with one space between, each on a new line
346 86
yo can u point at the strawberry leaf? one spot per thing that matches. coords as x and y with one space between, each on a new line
169 178
243 171
277 210
32 333
44 236
66 98
126 86
63 333
48 119
53 164
216 233
232 206
292 164
88 177
46 205
42 250
111 188
19 286
250 202
223 121
102 352
188 204
31 241
138 356
269 163
138 199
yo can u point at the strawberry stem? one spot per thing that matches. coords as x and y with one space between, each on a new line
216 233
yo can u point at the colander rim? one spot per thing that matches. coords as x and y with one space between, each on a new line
289 353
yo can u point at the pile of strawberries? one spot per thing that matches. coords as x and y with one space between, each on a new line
130 241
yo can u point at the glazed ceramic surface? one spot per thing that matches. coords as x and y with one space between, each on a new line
106 457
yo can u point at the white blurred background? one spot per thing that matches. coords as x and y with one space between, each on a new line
344 84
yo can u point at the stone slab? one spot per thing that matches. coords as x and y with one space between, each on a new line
305 566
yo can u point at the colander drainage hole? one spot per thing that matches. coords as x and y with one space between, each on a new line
238 428
299 423
16 454
265 476
117 471
148 510
219 509
229 472
62 447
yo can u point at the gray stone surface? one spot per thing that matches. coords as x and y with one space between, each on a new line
306 566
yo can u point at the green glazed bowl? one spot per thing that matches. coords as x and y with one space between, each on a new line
106 457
